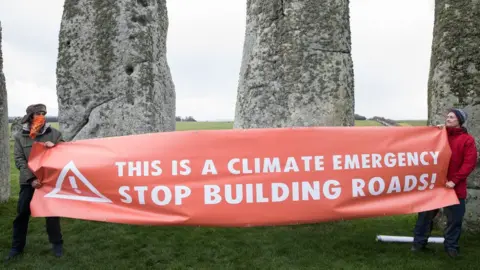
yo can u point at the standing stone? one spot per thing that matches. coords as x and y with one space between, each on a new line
454 79
297 68
4 138
112 73
15 127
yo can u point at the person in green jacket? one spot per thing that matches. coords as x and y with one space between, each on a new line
35 129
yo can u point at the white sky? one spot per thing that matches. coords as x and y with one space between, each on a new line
391 41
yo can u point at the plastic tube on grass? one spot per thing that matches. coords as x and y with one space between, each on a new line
406 239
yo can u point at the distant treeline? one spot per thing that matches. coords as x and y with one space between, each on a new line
185 119
360 117
48 118
385 120
379 119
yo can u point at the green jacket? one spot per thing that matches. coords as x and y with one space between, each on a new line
23 146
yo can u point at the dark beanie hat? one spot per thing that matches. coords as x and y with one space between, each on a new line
461 115
32 109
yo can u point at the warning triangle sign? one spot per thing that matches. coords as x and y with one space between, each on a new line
70 170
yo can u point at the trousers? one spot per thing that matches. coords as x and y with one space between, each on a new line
20 224
452 232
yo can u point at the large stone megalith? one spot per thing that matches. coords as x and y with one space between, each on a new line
454 79
4 138
297 67
16 127
112 73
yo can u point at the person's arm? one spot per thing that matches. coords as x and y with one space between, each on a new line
21 162
469 161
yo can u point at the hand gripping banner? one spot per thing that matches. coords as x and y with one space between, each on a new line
256 177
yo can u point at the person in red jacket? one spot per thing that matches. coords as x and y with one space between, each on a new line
462 163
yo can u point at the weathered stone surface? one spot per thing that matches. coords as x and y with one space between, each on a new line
297 67
112 73
440 221
454 79
4 139
472 213
15 127
455 66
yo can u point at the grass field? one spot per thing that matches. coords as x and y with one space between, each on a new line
332 245
228 125
224 125
413 122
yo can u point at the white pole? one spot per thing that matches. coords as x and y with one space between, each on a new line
406 239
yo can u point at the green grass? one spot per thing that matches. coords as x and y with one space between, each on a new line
330 245
366 123
203 125
413 122
228 125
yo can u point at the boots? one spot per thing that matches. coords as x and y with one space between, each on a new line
57 250
12 254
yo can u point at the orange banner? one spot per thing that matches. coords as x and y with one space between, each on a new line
253 177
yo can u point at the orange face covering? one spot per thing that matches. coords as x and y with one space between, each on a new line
37 124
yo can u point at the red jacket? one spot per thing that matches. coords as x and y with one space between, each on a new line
463 160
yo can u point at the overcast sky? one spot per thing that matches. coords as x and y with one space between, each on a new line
391 42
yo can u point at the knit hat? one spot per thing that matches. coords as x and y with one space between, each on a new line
461 115
31 110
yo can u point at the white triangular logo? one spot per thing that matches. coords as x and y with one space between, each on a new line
58 187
